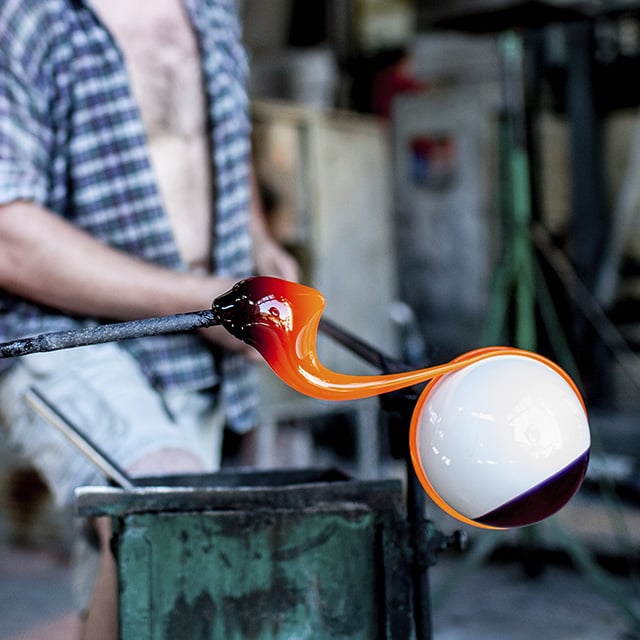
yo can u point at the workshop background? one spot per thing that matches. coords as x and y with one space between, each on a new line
404 148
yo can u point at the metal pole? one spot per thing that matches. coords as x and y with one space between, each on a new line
78 438
416 513
416 508
385 363
109 333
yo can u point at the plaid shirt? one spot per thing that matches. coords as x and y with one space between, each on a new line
71 140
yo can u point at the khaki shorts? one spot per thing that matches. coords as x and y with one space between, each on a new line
101 390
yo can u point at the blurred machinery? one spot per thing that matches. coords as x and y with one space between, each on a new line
579 61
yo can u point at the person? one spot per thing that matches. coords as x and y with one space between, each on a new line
394 79
126 191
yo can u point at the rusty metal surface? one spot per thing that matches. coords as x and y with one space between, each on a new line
260 555
276 490
270 576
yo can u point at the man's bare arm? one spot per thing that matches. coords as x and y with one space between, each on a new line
46 259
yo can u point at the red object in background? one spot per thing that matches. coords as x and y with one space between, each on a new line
392 81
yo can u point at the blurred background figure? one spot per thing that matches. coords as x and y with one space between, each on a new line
395 79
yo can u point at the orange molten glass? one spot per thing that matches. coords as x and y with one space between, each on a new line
281 318
504 443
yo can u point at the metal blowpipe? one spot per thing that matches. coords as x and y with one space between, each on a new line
109 333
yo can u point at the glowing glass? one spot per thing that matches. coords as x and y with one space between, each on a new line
499 437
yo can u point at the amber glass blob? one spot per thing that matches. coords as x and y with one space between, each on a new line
510 416
281 319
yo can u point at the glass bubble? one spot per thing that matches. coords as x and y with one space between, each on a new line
499 438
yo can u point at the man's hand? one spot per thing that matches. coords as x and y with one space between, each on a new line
272 260
269 256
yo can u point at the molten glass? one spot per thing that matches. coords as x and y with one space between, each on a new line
499 438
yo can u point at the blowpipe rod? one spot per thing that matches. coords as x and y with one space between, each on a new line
109 333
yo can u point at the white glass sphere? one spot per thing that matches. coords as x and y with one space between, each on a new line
503 442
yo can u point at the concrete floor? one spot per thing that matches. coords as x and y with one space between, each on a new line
499 601
495 589
35 595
